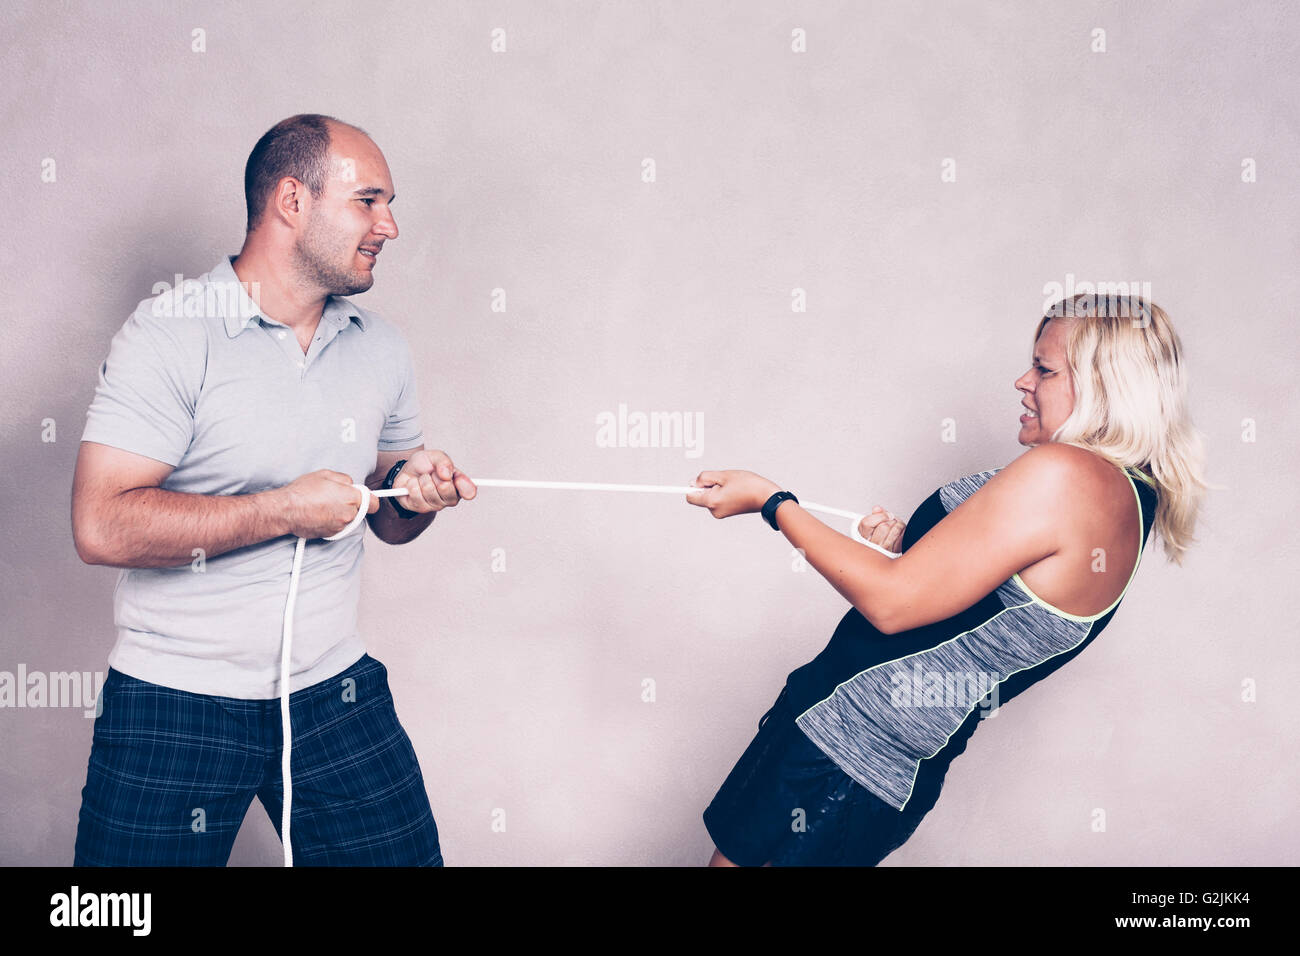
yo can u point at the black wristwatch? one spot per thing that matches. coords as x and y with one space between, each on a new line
769 509
388 484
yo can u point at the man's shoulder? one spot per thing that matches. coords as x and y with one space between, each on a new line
182 315
186 307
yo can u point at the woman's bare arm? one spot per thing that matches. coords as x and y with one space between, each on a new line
1013 521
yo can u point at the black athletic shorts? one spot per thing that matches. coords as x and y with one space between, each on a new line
787 803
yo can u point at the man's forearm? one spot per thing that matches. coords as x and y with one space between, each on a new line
153 528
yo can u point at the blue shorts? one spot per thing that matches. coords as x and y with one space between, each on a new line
172 774
787 803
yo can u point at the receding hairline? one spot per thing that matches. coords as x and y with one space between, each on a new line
306 147
331 124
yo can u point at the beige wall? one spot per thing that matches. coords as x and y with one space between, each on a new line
774 170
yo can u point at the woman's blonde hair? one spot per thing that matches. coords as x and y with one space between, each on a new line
1130 403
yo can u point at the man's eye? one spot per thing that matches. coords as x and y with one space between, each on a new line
368 202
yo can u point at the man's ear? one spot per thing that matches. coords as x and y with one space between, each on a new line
289 200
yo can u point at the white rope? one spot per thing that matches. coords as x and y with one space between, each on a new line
364 510
853 516
286 645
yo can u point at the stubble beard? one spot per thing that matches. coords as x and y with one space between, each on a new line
316 262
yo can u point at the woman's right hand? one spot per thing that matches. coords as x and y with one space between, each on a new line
882 528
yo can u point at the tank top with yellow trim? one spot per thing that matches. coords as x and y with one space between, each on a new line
893 710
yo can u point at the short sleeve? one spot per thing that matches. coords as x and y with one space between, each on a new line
149 387
402 429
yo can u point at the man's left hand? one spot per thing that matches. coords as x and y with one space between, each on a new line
433 482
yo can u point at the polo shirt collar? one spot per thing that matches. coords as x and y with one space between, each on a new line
239 309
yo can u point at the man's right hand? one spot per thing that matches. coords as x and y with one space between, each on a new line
882 528
321 503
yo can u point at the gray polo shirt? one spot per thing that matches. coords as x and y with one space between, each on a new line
199 379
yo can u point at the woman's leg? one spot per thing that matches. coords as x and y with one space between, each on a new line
748 815
719 860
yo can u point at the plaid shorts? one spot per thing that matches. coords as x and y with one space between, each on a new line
172 775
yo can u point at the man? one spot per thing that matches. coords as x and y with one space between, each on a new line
230 418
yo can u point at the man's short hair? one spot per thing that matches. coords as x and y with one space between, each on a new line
299 147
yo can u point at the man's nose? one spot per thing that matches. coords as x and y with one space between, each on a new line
387 226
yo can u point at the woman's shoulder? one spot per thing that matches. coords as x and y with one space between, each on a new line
1092 486
1040 465
1060 460
1080 478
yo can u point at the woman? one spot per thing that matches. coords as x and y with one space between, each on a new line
1003 577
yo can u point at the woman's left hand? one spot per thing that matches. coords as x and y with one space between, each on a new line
727 493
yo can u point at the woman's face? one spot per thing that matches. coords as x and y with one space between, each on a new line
1048 390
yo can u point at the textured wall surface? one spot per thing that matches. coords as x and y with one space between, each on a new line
923 172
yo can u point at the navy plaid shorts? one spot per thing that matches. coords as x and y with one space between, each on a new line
172 775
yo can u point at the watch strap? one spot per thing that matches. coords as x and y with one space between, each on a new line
388 484
769 508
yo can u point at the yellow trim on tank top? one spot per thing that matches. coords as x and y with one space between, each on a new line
1093 617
